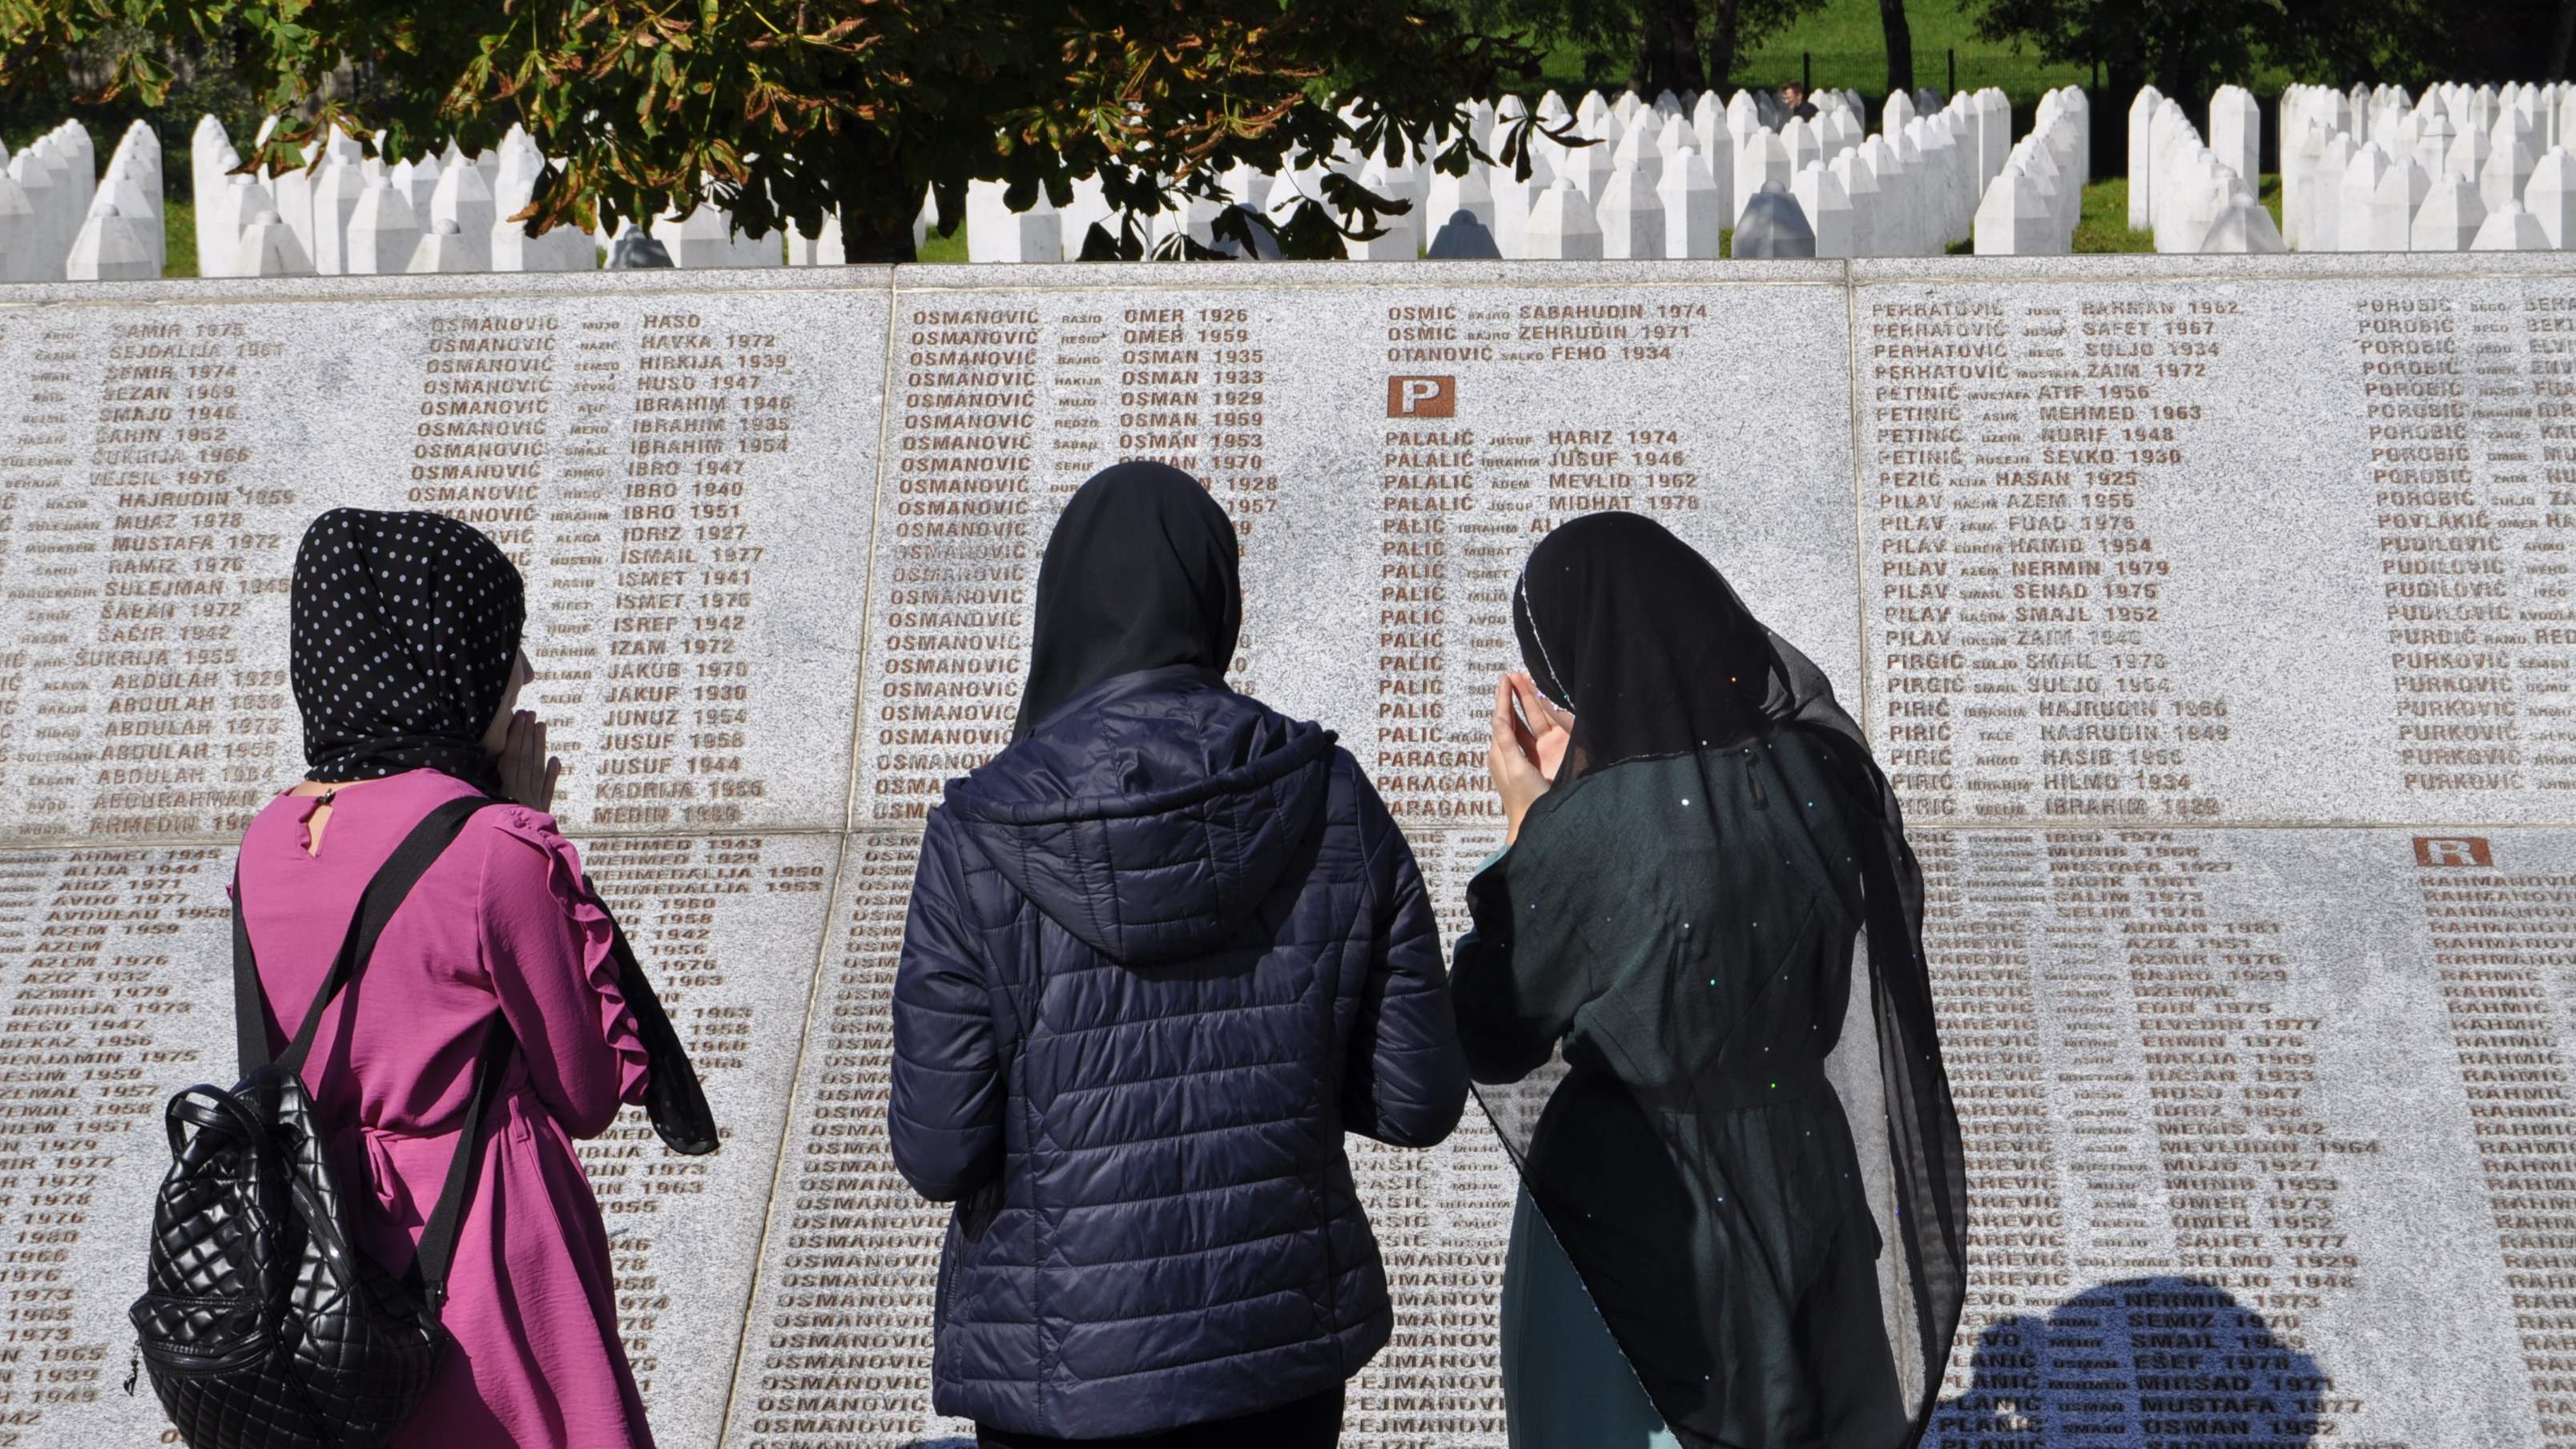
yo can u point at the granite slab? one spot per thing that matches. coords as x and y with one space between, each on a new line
684 486
2242 804
2287 550
116 966
1389 450
2266 1132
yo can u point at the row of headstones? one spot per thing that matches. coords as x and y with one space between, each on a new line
345 213
1636 180
2196 194
2033 204
61 218
2457 169
1659 179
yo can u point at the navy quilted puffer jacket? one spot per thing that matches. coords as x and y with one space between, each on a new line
1162 954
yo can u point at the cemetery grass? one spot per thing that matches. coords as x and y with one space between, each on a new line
1847 47
2104 226
2105 223
179 238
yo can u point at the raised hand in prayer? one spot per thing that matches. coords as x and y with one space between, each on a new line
1530 736
527 772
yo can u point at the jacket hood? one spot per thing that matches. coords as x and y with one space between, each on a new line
1150 814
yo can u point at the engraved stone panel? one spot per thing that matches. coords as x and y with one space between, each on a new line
115 964
1389 452
116 1000
840 1340
2266 1132
730 926
836 1350
2188 550
682 478
2217 633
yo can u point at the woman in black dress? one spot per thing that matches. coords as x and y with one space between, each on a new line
1741 1148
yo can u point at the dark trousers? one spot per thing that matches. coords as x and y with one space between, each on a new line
1309 1423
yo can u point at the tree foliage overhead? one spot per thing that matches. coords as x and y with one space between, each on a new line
2187 48
1657 44
784 111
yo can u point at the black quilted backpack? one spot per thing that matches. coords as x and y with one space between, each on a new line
264 1326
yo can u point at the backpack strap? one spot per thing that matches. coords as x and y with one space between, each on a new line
376 904
250 1007
438 1236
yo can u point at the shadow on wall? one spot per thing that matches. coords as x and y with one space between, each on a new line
2144 1363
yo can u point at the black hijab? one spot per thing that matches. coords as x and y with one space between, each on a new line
405 629
1639 636
1140 573
1650 647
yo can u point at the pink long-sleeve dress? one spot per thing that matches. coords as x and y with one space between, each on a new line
503 928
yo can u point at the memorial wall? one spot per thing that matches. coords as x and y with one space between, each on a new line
2215 619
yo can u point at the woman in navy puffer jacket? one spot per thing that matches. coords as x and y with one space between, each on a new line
1164 950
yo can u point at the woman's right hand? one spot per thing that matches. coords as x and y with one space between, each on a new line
528 773
1530 736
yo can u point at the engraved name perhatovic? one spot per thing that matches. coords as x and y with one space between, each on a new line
2018 598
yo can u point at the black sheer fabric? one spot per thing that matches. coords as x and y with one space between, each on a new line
404 630
1678 691
1141 572
1623 624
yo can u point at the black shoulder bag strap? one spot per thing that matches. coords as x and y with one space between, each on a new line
376 904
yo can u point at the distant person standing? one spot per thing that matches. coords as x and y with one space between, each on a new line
406 663
1164 951
1743 1219
1793 96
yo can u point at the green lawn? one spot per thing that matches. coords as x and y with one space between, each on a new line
2105 224
179 238
1843 41
1847 47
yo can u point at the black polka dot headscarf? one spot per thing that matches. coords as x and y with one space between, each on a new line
405 628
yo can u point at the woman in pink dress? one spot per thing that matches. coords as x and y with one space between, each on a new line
407 667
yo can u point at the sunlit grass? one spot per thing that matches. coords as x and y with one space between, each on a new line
1846 47
179 238
2105 223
